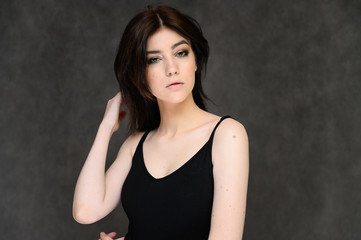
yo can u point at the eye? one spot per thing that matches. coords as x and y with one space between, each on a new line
182 53
152 60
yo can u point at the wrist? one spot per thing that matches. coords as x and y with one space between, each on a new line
105 127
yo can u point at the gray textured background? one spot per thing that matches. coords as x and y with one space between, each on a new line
288 70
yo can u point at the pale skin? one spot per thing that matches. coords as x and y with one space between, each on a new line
183 130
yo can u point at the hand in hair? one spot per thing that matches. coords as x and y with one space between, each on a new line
109 236
113 116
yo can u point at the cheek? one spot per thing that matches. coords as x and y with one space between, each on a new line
153 71
191 69
151 78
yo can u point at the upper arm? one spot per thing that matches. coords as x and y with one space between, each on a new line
230 158
118 171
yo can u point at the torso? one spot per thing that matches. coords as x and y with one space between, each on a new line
175 201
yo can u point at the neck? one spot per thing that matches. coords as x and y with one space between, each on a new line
177 118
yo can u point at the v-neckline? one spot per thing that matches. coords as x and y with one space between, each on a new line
175 171
189 161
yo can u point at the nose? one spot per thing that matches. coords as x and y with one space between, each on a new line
171 68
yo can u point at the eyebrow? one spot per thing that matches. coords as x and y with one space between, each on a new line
173 47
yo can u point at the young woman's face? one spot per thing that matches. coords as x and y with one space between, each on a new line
171 66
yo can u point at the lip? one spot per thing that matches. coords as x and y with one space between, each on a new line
174 84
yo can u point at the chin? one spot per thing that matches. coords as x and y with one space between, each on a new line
173 99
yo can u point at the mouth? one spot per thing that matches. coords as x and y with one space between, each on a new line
174 85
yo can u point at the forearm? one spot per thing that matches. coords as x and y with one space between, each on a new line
90 188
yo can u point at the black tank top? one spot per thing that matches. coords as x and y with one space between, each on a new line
177 206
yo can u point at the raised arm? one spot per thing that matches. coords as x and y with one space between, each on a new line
97 193
230 169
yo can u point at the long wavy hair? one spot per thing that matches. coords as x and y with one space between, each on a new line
130 62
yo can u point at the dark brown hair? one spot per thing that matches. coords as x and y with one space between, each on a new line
130 62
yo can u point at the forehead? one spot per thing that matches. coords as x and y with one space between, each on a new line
163 38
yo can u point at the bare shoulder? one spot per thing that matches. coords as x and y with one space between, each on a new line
230 128
131 143
230 139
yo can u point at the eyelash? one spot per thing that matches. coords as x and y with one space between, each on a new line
183 53
152 60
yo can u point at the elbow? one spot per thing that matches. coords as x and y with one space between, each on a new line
83 215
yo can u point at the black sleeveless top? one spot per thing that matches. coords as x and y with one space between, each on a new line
177 206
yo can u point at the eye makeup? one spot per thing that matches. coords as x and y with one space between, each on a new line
183 53
152 60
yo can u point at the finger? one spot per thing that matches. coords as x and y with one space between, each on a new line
122 238
117 95
122 102
112 234
103 236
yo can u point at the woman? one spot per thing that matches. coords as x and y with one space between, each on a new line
183 172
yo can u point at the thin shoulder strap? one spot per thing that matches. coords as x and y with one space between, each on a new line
219 122
142 139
